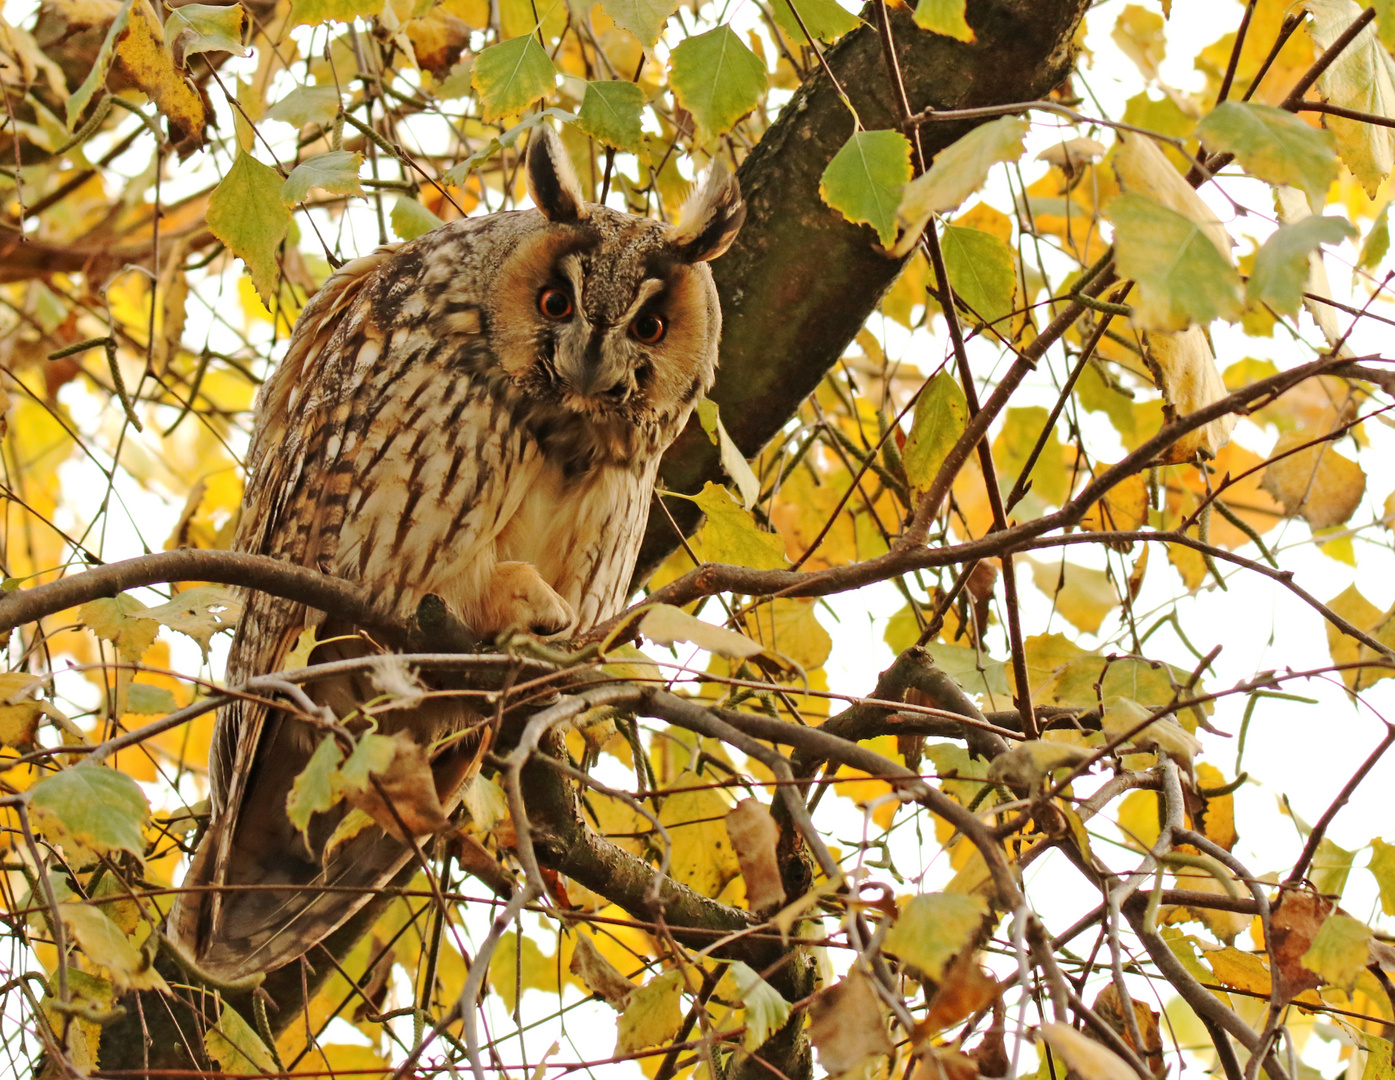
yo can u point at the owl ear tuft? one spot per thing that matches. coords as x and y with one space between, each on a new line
711 217
552 181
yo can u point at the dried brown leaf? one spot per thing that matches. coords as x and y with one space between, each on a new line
754 836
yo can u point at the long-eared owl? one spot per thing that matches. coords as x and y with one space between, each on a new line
478 415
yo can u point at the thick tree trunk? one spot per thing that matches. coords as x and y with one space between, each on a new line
800 280
795 290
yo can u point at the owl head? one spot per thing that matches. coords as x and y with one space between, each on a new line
610 314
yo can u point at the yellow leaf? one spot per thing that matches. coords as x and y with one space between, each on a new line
730 535
1364 615
790 627
1240 970
702 855
1083 595
653 1015
141 51
932 927
1315 482
107 946
236 1047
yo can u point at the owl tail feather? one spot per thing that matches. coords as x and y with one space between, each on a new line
277 896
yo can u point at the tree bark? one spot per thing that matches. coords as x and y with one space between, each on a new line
801 280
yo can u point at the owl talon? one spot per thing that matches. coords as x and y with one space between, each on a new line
521 599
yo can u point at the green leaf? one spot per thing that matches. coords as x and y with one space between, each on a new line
982 272
1281 266
941 412
205 28
373 754
717 79
653 1016
766 1010
410 219
933 927
236 1047
970 668
1274 145
956 173
314 790
1382 867
314 12
77 104
643 18
825 20
246 213
335 171
611 112
512 75
730 535
863 182
1340 951
1385 29
1377 242
944 17
100 808
307 105
1182 276
105 944
1331 867
146 700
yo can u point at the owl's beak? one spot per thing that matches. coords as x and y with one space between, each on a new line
592 373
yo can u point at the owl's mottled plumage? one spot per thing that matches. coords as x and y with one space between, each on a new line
477 414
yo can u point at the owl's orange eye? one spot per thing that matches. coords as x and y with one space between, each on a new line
649 329
554 303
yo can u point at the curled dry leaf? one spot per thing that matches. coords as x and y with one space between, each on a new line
404 781
1030 762
1315 483
1294 926
1108 1008
1167 736
964 989
1072 155
754 836
1185 371
1292 206
1083 1055
846 1025
1144 169
599 974
942 1063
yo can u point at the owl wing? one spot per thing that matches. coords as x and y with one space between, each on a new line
321 429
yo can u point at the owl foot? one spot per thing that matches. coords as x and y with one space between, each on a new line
517 598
